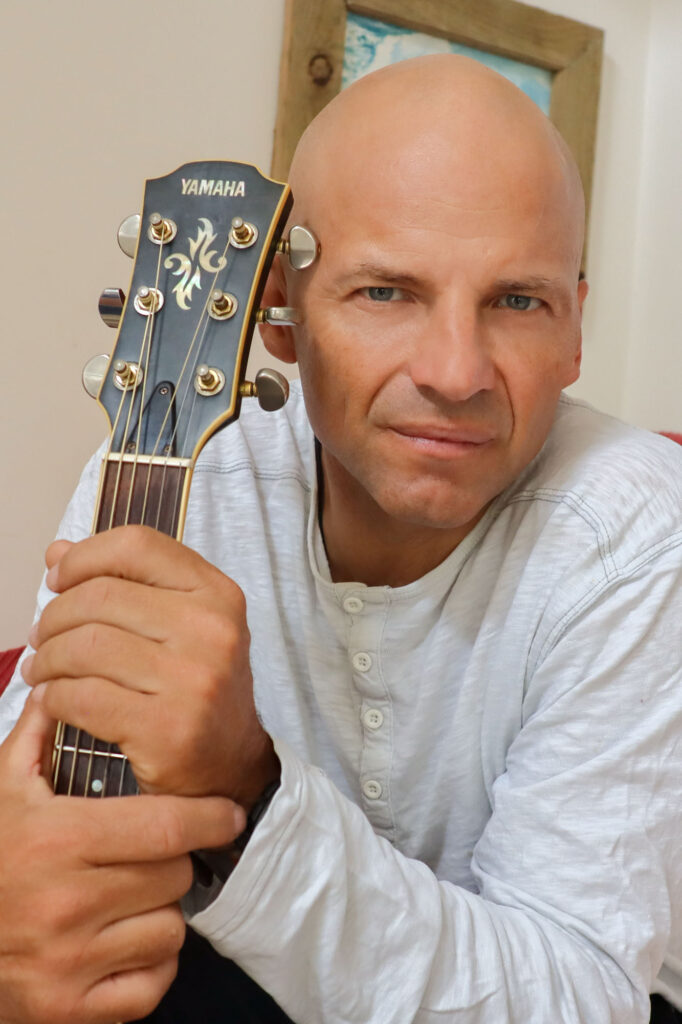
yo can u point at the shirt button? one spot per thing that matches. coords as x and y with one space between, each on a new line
353 605
362 662
371 789
373 718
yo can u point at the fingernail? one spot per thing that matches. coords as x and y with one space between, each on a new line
38 692
52 577
26 668
239 818
33 635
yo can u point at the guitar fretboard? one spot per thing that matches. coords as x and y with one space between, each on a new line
146 491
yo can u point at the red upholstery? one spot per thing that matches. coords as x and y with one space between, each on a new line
8 660
673 437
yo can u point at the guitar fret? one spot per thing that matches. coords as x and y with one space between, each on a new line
114 755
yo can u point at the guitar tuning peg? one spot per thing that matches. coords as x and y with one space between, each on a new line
280 316
94 372
110 306
300 246
128 234
270 388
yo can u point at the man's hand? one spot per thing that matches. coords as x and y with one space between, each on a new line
89 923
147 646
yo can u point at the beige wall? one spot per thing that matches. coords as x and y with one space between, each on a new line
98 97
653 382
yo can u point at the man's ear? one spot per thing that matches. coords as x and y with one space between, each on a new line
279 341
583 289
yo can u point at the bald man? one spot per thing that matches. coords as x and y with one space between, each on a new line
456 712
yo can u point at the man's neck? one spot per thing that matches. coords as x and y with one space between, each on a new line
366 545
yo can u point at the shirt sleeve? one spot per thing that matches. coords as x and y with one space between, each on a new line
577 868
75 525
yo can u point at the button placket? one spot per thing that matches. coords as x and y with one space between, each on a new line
365 628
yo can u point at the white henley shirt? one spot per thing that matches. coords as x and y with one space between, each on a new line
480 811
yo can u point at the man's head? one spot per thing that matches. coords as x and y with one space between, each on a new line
442 319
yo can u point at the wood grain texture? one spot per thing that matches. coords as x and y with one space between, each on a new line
313 47
310 71
574 107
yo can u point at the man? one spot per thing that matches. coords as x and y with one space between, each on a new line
464 609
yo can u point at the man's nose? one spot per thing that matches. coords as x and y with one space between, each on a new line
451 356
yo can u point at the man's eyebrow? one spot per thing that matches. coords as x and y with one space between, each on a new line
534 283
379 272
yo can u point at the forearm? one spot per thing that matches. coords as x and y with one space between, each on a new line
339 926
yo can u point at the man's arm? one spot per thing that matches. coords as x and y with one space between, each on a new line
89 923
89 918
577 870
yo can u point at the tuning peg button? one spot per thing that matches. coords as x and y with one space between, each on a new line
94 372
300 246
110 306
270 388
128 234
280 316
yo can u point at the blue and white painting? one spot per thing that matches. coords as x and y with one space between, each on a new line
372 44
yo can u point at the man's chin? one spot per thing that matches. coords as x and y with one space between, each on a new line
429 511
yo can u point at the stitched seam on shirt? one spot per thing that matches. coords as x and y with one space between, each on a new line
258 474
628 570
586 513
389 777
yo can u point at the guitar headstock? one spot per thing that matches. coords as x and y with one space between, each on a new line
207 235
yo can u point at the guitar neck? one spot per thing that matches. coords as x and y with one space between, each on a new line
140 490
203 246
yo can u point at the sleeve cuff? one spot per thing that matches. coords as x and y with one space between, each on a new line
210 897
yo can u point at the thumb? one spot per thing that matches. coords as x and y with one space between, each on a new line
27 750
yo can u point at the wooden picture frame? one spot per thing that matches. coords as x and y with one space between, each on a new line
313 53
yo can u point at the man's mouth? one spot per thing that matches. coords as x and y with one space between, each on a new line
444 439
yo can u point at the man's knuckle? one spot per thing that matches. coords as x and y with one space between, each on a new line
135 538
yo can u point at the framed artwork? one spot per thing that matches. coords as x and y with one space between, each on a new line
330 43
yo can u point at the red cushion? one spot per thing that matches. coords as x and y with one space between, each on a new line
8 660
673 437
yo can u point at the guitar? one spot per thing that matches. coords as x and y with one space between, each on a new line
203 246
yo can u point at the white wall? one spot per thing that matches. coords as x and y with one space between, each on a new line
607 323
98 97
653 384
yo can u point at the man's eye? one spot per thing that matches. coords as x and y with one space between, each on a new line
521 303
383 294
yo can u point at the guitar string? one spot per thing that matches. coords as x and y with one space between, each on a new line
60 738
146 343
128 393
202 322
203 318
139 384
179 478
144 357
149 333
178 475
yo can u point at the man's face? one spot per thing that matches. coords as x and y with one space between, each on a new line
440 326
